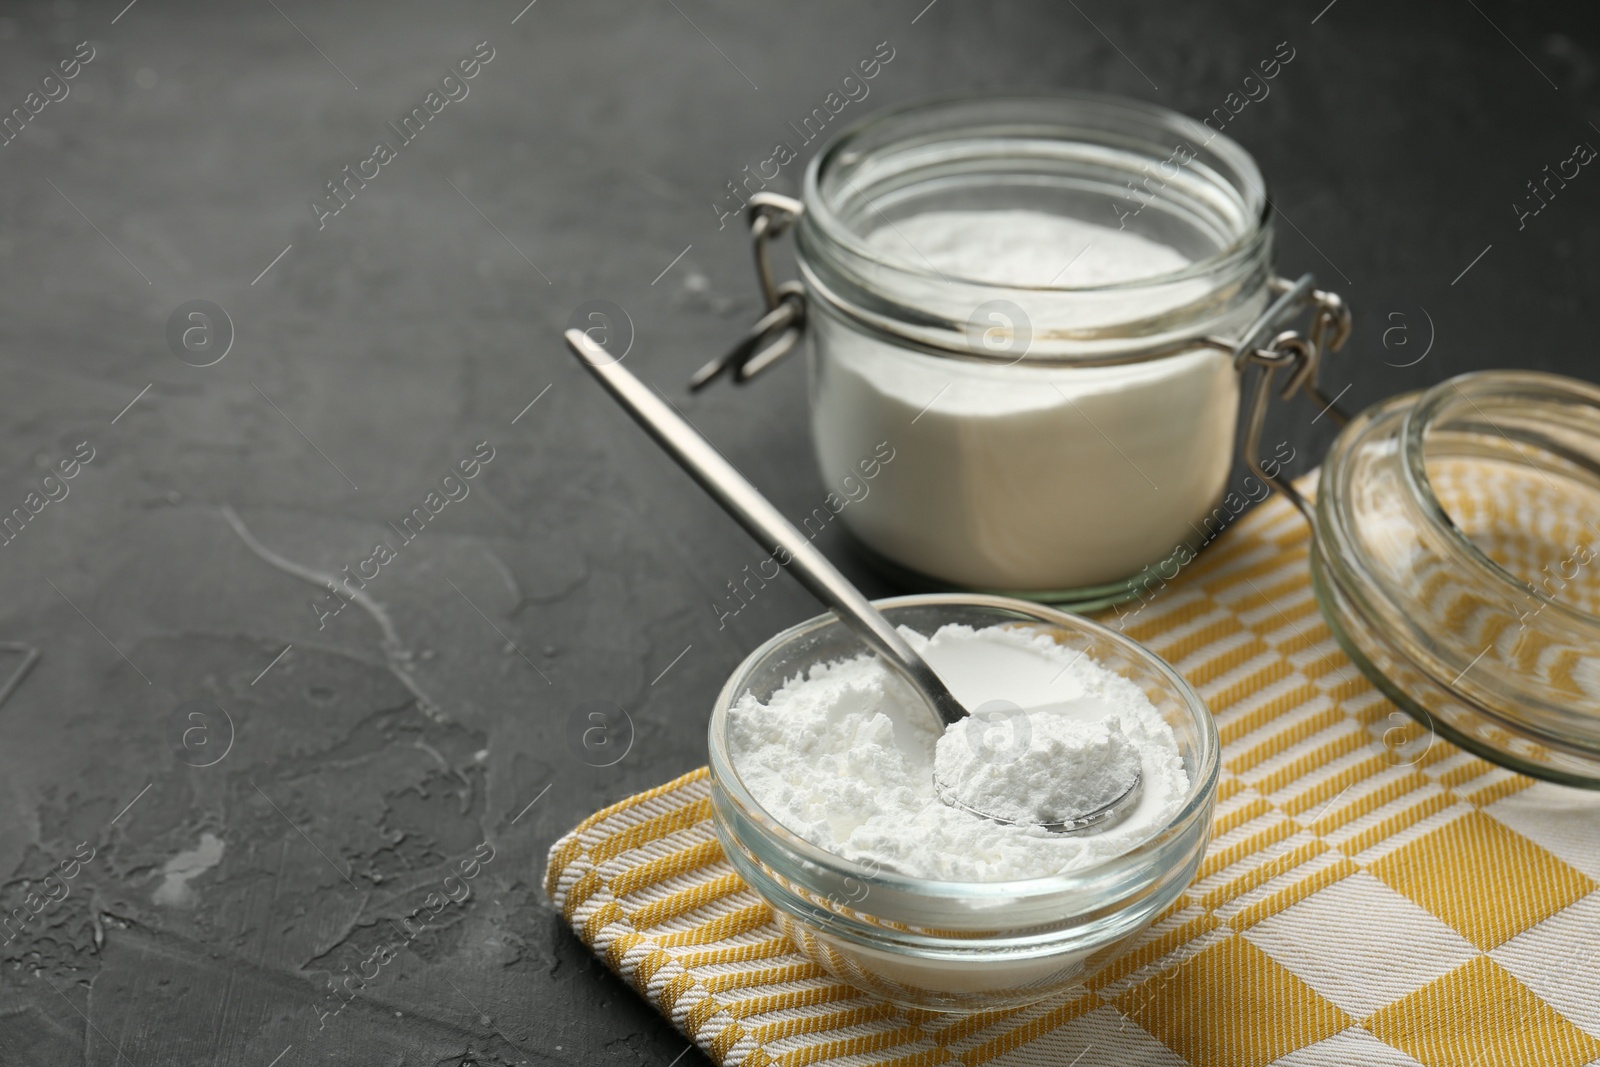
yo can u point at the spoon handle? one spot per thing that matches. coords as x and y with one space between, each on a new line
764 522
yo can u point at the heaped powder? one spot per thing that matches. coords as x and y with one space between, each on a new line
844 756
1051 766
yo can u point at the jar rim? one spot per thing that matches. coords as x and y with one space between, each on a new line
819 212
1202 785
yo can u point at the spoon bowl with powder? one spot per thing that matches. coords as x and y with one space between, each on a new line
1075 769
1082 775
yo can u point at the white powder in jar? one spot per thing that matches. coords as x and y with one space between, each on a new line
844 757
1027 248
1027 477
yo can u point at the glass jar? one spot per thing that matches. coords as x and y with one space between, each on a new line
1053 439
1457 560
962 946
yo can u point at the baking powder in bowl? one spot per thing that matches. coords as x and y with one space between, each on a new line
1026 476
844 756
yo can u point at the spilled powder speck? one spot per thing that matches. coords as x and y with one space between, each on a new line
186 866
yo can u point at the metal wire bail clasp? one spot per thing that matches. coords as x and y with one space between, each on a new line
1299 353
782 325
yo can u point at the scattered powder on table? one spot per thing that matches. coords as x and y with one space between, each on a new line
844 757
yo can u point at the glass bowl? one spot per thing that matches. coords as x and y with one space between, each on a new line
962 946
1456 561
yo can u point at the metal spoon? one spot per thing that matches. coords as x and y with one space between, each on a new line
767 525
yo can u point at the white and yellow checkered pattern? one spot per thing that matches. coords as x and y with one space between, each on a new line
1362 903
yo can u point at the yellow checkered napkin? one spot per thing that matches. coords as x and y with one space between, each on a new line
1361 903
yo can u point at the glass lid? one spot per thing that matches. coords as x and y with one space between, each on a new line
1457 559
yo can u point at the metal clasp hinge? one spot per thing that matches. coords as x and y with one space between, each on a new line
781 326
1299 353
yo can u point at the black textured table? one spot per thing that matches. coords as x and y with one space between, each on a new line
290 825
